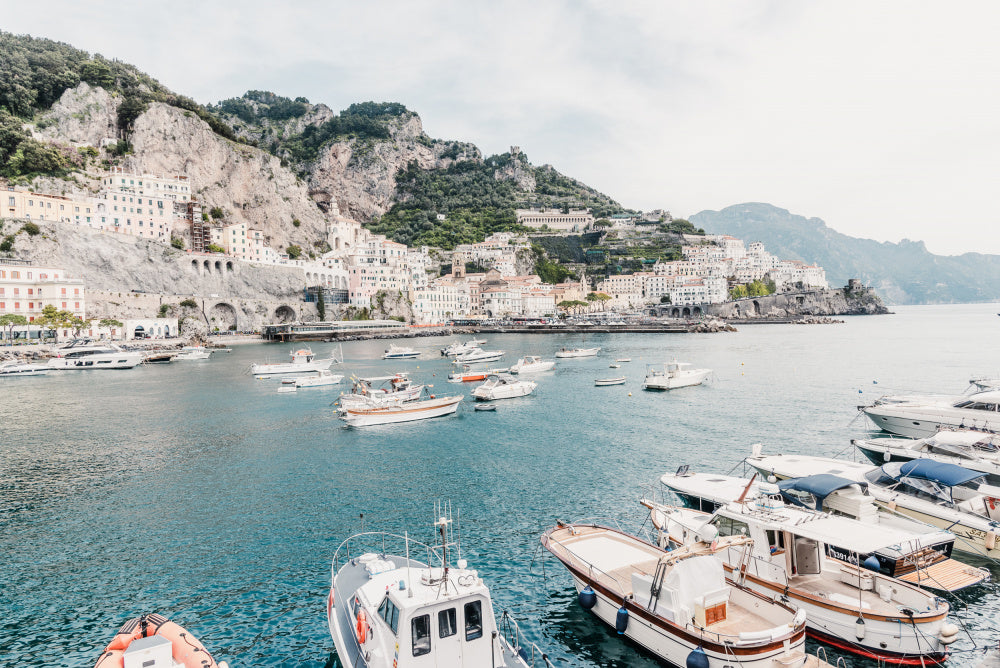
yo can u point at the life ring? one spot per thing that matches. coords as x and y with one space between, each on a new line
992 502
362 627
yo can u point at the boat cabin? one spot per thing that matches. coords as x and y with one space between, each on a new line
943 484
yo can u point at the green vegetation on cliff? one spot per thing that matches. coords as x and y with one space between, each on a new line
35 72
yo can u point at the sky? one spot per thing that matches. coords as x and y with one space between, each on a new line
881 118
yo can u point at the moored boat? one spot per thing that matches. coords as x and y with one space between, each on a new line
152 641
968 448
394 352
678 605
601 382
848 606
84 354
321 378
911 551
922 418
503 386
531 364
479 356
673 375
403 412
467 375
193 353
303 360
577 352
381 391
389 609
11 368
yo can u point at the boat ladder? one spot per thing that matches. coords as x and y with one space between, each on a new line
657 585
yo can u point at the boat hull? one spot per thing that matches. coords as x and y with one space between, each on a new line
538 367
880 453
585 352
675 647
290 367
609 381
403 413
123 360
663 383
914 422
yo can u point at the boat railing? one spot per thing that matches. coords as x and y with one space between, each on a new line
755 566
381 542
526 649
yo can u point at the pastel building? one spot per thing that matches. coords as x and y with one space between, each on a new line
26 290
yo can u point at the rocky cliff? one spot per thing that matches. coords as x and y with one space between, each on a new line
846 301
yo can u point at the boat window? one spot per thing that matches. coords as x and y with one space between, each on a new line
775 541
421 630
473 620
390 613
447 623
727 526
963 404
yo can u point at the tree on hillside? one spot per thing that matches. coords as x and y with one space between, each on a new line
9 321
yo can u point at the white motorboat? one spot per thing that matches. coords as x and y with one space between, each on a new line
503 386
853 608
193 353
942 495
10 368
84 354
531 364
479 356
402 412
577 352
677 605
321 378
303 360
394 352
976 450
601 382
921 418
381 391
460 348
912 551
389 609
673 375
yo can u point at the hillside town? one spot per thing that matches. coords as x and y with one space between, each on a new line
362 270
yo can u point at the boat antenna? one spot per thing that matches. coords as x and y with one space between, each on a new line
409 583
746 490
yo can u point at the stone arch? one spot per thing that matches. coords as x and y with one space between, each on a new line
800 300
696 310
686 312
218 265
756 307
229 265
194 265
284 313
208 267
223 316
675 312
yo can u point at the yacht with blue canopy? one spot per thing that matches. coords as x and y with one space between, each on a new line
940 494
906 549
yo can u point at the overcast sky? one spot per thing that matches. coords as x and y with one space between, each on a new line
880 118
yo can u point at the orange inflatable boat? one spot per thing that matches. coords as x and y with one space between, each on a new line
158 643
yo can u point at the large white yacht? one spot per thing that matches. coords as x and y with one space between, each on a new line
87 354
921 418
943 495
404 604
847 605
968 448
18 368
911 551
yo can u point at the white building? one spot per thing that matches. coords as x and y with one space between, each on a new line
26 290
173 188
554 219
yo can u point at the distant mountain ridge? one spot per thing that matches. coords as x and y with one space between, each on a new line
903 273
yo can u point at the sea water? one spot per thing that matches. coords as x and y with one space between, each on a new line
199 492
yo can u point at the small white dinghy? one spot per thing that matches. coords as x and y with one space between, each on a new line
601 382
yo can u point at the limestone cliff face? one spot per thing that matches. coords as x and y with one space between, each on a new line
862 301
360 174
83 116
122 263
247 183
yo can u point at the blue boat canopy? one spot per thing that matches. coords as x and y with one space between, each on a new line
820 486
948 475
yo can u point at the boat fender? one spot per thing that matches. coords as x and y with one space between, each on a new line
949 633
887 456
871 563
859 629
991 540
362 627
799 619
892 506
697 659
621 620
587 598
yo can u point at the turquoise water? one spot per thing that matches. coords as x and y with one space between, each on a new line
196 491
